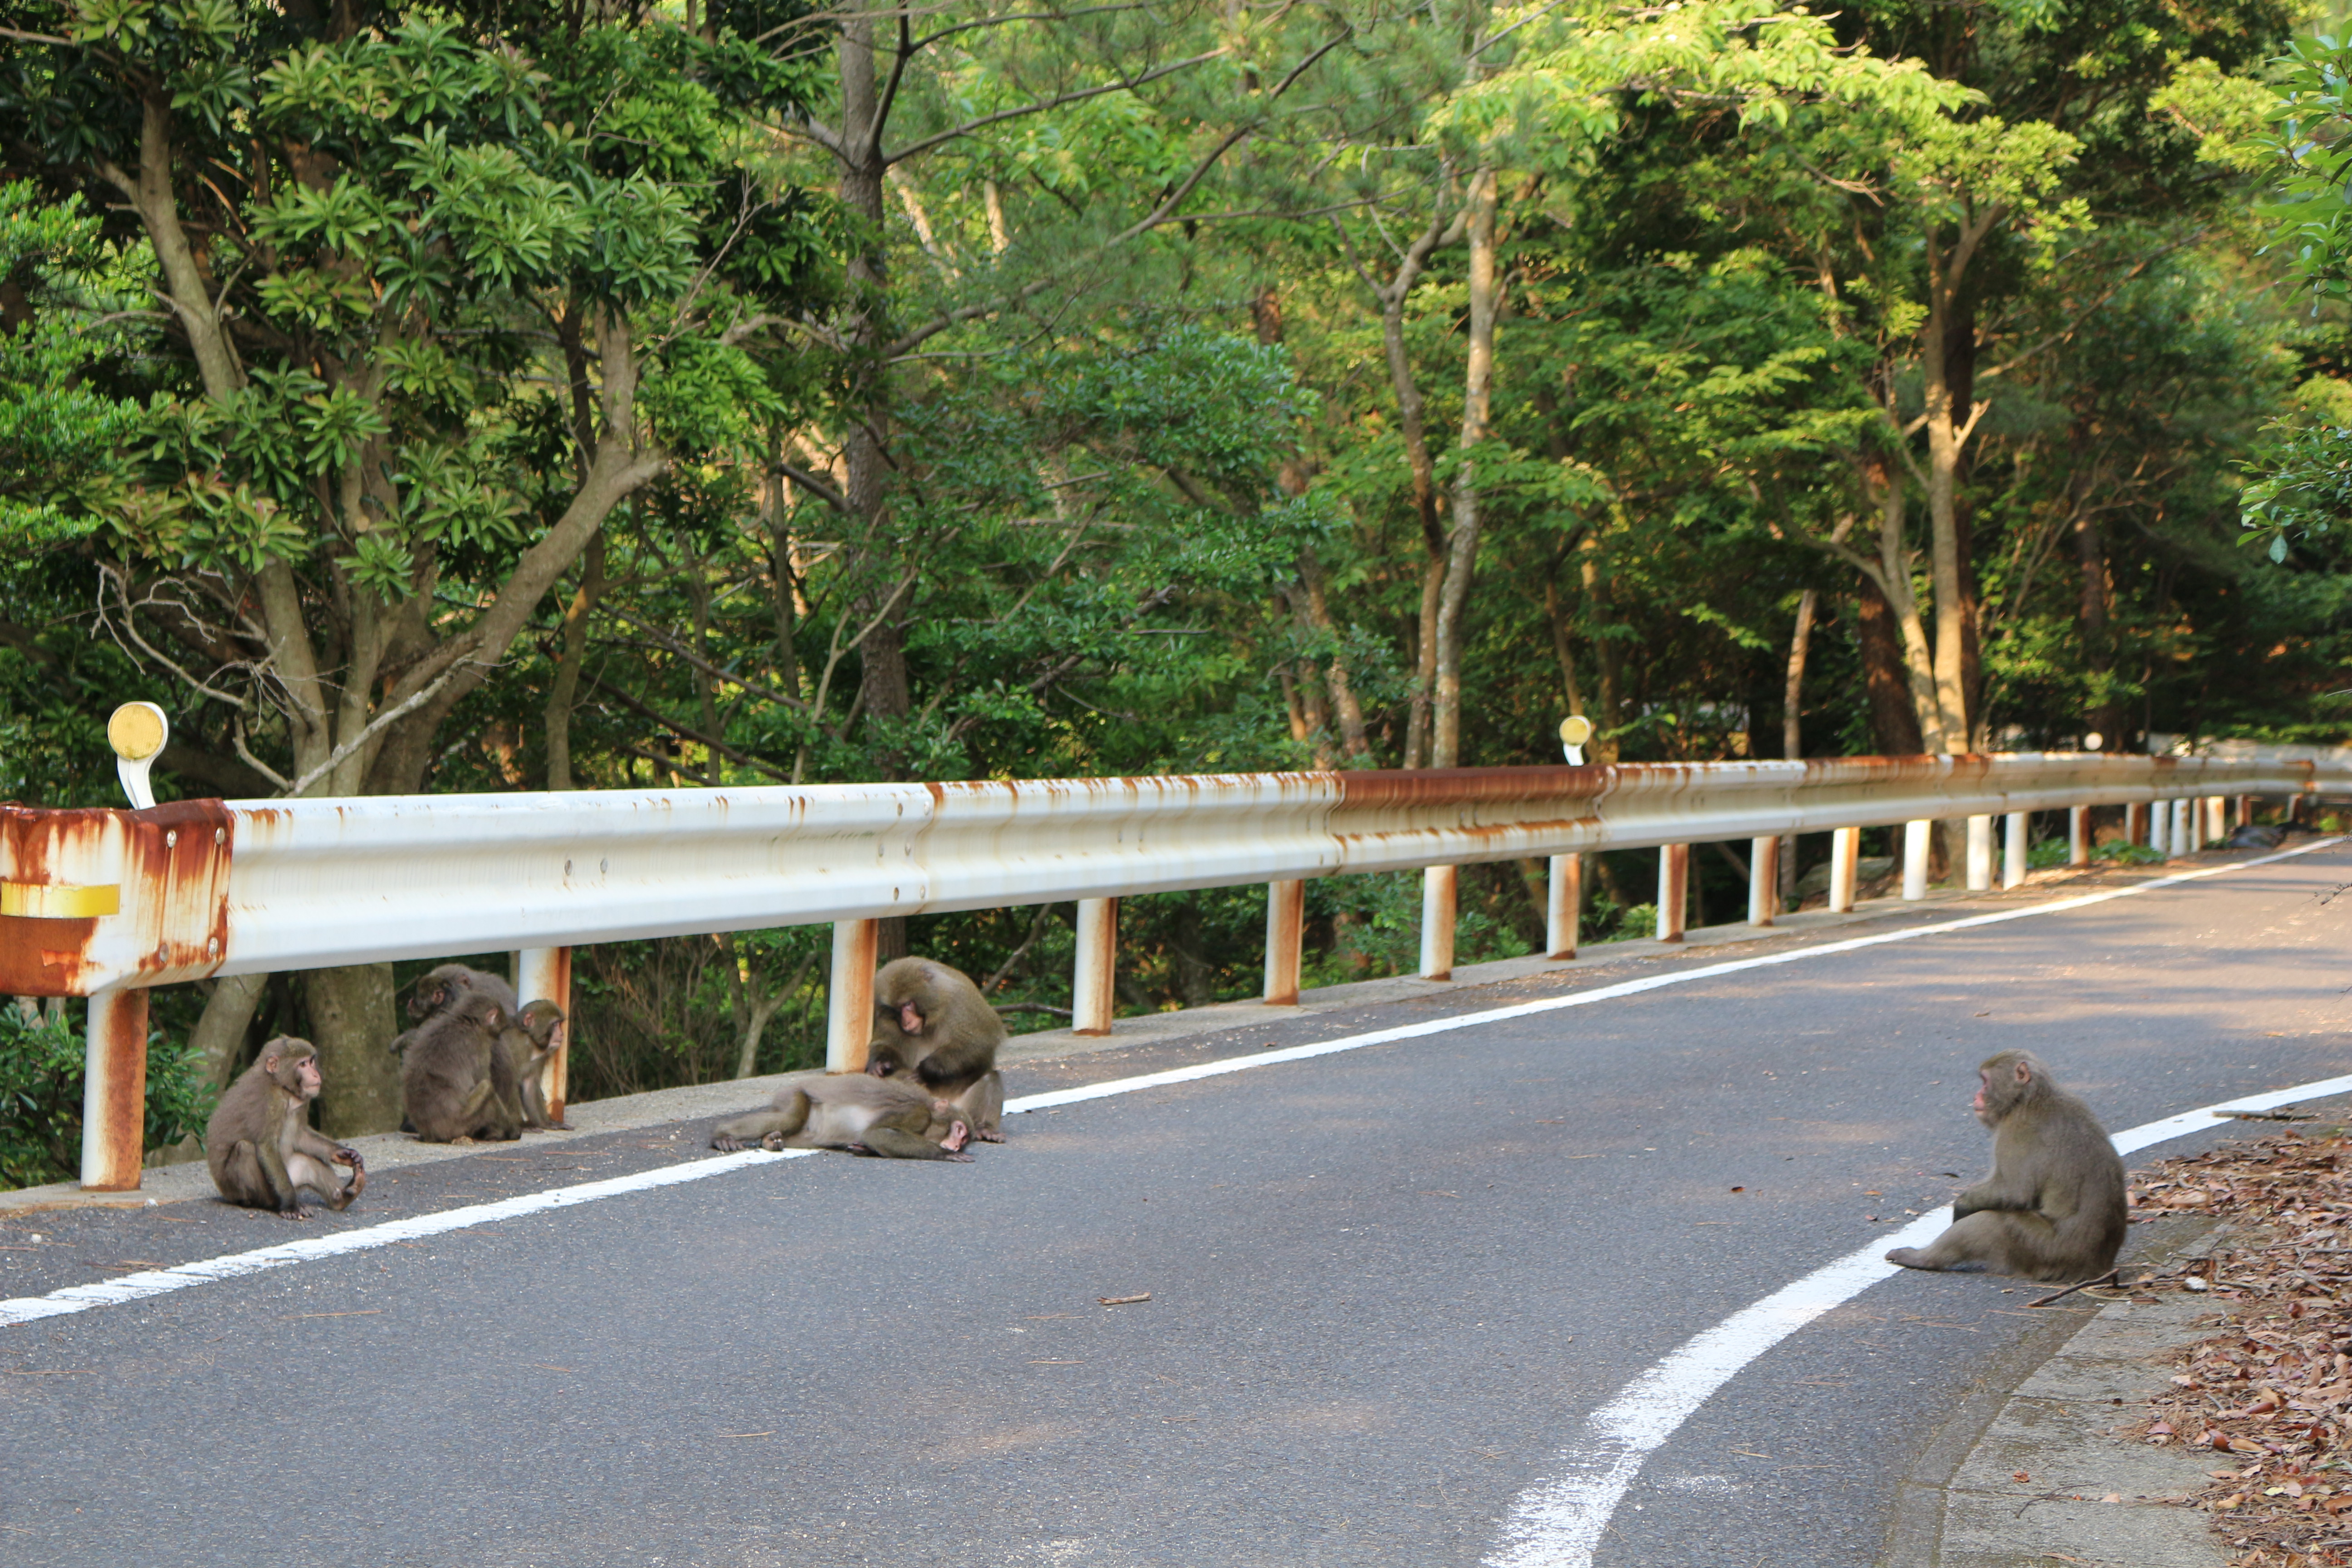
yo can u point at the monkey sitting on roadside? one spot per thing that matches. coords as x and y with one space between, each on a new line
450 1084
532 1037
887 1116
259 1142
930 1022
2053 1207
440 988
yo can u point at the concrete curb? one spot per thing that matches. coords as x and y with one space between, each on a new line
2049 1407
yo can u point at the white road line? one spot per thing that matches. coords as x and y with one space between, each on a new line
162 1282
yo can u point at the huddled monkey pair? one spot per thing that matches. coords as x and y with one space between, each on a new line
470 1068
931 1084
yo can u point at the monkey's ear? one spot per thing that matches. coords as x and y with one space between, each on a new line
2024 1071
497 1016
269 1063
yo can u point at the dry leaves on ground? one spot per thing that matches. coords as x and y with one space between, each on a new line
2269 1395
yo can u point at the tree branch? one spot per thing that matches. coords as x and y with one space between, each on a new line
1041 105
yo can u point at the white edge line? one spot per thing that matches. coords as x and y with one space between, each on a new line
162 1282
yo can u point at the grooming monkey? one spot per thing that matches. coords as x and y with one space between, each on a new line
451 1082
931 1023
2053 1207
259 1142
440 989
886 1116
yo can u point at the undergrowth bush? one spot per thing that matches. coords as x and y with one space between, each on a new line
41 1070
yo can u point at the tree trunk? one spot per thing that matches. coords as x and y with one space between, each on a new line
351 1013
565 688
1894 722
218 1038
2105 716
1792 707
1462 548
1604 748
1343 689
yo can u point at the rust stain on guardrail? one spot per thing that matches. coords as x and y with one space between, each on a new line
171 863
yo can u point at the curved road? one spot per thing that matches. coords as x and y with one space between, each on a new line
1387 1286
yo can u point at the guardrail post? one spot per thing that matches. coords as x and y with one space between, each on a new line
849 998
1674 889
2013 846
1915 858
1845 857
2078 836
1439 884
2217 821
2159 829
1563 902
2245 811
1285 932
1763 880
2135 824
2184 827
114 1092
544 974
1092 998
1980 854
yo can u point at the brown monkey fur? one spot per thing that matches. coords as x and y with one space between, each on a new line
888 1116
259 1142
450 1084
2053 1207
529 1038
440 988
932 1023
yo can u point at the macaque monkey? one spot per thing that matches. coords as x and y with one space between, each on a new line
450 1083
888 1116
931 1023
259 1142
534 1034
2053 1207
440 989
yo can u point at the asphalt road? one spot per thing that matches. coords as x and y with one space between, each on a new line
1386 1288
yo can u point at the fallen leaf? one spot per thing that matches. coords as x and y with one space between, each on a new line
1123 1300
2020 1476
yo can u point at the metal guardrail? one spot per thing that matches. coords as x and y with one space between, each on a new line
104 903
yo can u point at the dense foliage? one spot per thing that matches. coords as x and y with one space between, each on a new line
41 1069
543 395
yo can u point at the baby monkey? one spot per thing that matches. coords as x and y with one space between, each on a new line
259 1142
889 1117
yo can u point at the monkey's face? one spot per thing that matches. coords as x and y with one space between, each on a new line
297 1075
426 999
1981 1104
910 1018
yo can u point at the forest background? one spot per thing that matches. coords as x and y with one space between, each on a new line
564 394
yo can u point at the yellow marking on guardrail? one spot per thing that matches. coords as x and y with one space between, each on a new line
60 901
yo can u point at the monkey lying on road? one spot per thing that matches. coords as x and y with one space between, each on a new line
2053 1207
259 1144
932 1024
890 1117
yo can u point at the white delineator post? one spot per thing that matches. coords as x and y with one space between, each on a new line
1563 899
2159 829
1286 932
114 1092
1438 888
2078 836
544 974
1674 889
849 1007
1093 999
1763 880
1980 854
1915 858
1845 857
2013 846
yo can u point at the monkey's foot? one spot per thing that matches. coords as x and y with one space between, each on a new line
773 1142
725 1144
961 1158
990 1137
1910 1258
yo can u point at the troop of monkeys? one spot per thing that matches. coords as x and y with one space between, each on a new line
2054 1208
470 1070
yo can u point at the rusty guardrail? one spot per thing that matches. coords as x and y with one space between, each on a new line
104 903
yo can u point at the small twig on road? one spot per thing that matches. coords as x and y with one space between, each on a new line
2112 1276
2287 1115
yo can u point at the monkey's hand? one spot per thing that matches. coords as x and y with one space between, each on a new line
773 1142
879 1068
997 1137
726 1143
959 1157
